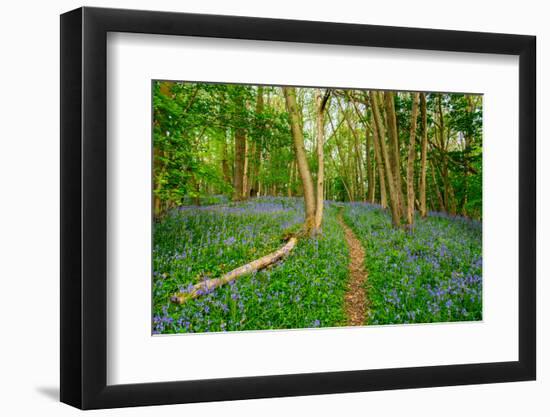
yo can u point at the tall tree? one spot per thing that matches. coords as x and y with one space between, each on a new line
436 188
238 175
208 141
379 164
410 162
301 159
240 149
394 198
320 101
370 167
423 156
448 195
357 155
256 148
225 159
466 153
245 192
393 136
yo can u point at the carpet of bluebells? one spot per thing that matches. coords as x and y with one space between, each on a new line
194 243
430 275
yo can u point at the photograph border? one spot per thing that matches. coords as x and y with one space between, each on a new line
83 262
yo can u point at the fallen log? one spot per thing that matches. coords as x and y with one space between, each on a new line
209 285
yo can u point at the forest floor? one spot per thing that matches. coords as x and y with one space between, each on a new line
355 298
430 275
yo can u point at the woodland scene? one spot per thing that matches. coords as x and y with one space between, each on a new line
279 207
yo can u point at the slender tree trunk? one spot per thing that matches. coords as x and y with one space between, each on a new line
257 169
423 157
239 172
448 194
159 166
379 164
374 184
320 159
370 161
344 174
252 164
352 168
443 153
410 162
197 186
301 158
358 155
328 182
348 190
341 176
466 173
394 149
245 192
466 157
238 175
359 164
395 211
256 148
436 188
370 167
291 178
225 162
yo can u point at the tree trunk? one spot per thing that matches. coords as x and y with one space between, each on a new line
225 162
320 159
379 164
291 178
301 159
370 167
358 155
252 162
238 176
448 194
359 164
410 162
256 148
257 169
159 166
423 157
395 207
197 186
345 175
393 136
209 285
436 188
245 192
466 157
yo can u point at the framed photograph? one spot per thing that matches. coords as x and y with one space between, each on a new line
257 208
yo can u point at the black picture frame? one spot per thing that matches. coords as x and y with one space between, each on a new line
84 207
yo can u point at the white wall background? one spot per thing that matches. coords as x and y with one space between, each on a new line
29 220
